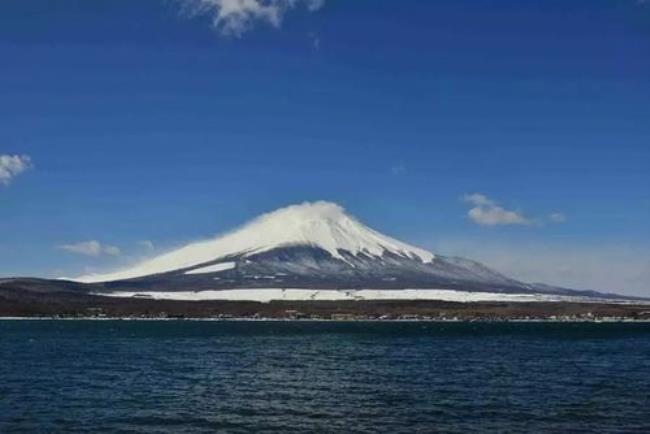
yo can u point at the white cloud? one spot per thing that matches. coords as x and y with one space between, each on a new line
478 199
91 248
557 217
12 166
147 245
487 212
235 17
112 250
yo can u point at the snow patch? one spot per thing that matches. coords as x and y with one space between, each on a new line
266 295
213 268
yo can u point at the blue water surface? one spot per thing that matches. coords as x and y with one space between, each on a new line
193 377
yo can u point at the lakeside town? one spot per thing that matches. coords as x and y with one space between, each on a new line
295 315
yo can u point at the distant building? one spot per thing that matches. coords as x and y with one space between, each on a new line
343 316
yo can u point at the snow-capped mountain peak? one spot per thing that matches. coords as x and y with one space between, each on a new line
328 226
323 225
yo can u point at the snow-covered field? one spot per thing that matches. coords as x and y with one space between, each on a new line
266 295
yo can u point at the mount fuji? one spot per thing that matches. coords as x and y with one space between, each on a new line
313 246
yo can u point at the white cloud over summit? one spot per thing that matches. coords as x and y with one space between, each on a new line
91 248
147 245
12 166
235 17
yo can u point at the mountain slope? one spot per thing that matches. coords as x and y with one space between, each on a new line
312 246
321 225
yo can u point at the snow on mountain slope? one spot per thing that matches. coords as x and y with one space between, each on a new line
265 295
222 266
319 224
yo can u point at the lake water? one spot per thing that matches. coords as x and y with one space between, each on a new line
185 376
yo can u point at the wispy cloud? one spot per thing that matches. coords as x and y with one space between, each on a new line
147 245
12 166
235 17
91 248
557 217
486 212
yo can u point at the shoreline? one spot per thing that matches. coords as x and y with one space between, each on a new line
85 306
305 320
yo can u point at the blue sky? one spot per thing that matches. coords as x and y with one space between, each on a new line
513 132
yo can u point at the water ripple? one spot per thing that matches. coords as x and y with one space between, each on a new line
192 377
